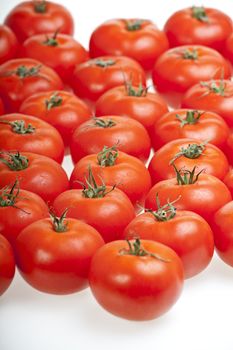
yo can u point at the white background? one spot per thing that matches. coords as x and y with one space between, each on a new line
202 319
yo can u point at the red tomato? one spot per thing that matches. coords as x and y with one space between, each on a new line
55 257
214 95
61 109
115 168
139 39
136 280
228 49
177 69
186 123
229 148
228 180
7 264
198 25
129 135
94 77
187 153
29 134
133 102
18 209
22 77
34 17
58 51
1 107
8 44
36 173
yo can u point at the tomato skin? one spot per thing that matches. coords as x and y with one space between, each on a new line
14 90
25 21
1 107
45 140
56 262
188 234
144 45
134 287
101 213
228 49
7 264
210 126
182 28
129 135
228 180
90 81
212 160
8 44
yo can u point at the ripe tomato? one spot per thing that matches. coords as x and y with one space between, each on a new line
198 25
213 95
133 102
136 280
54 257
58 51
228 49
8 44
115 168
34 17
187 153
228 180
139 39
29 134
1 107
22 77
7 264
36 173
61 109
18 209
129 135
94 77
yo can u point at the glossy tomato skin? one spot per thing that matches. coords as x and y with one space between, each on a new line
212 160
66 116
129 135
228 48
7 264
146 109
56 262
114 37
188 234
25 20
91 79
204 197
135 287
1 107
228 180
43 176
44 140
128 173
210 126
8 44
108 215
182 28
15 89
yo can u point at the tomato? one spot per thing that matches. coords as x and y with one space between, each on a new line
36 173
94 77
213 95
228 49
18 209
128 134
58 51
34 17
186 232
187 153
198 25
177 69
228 180
22 77
1 107
8 44
139 39
54 257
115 168
29 134
133 102
186 123
223 233
61 109
136 280
7 264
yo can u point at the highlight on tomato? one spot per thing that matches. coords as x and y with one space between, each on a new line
7 264
9 44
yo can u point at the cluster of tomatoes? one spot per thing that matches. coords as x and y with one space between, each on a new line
132 233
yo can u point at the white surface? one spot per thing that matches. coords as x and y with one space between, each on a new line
202 317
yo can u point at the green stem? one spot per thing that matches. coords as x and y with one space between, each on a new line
107 157
164 213
40 6
8 195
58 222
190 54
199 13
104 63
52 41
186 177
218 89
132 91
15 161
191 118
54 101
192 151
19 127
92 190
133 25
104 123
23 72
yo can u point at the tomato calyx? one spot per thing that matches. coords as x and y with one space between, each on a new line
23 72
58 222
9 196
40 6
190 54
19 127
109 123
165 212
191 118
54 101
104 63
91 189
107 157
218 89
199 13
15 161
140 91
185 176
192 151
51 41
133 25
